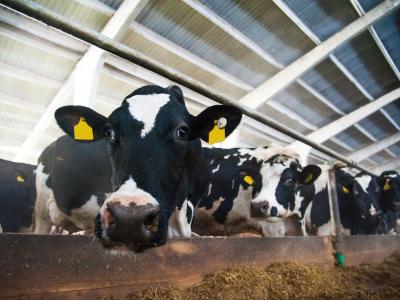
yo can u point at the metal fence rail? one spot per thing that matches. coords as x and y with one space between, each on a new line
94 38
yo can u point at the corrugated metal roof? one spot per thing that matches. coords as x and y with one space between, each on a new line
34 68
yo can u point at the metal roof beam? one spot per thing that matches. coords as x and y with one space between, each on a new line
296 69
300 24
360 10
240 37
374 148
333 128
88 69
40 30
114 26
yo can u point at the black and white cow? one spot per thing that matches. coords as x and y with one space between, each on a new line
358 198
17 196
249 186
147 149
389 182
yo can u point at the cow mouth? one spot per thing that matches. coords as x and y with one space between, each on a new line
274 219
152 223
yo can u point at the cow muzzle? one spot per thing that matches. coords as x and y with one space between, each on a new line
133 227
259 209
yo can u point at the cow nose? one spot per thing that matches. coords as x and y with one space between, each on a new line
259 209
133 224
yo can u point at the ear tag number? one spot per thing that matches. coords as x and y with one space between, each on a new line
386 186
308 178
248 179
217 134
20 178
82 131
345 190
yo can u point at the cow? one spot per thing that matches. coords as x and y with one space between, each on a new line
358 199
248 186
389 182
123 176
17 196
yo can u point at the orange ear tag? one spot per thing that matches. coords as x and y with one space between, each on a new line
217 134
20 178
386 186
82 131
248 179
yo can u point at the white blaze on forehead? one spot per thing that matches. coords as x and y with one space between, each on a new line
363 181
129 193
145 108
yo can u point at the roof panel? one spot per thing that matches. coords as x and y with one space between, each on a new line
183 26
264 23
324 18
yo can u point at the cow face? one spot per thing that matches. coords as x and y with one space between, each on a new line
282 176
389 182
152 140
366 193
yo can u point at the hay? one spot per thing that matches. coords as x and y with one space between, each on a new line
291 281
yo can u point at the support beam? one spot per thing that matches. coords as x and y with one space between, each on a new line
325 133
88 69
375 148
87 64
330 130
360 10
251 45
296 69
392 165
300 24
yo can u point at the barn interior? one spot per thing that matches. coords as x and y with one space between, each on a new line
326 70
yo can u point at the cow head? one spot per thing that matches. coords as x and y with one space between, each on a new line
282 176
366 193
389 182
151 141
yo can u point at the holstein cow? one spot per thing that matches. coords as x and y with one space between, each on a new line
134 168
17 196
389 182
247 187
359 208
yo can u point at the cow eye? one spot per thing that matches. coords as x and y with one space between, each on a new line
289 182
109 134
182 132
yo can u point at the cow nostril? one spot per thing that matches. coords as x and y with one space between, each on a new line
151 222
108 218
264 207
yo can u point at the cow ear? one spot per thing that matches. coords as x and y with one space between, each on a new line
81 123
309 174
215 123
177 92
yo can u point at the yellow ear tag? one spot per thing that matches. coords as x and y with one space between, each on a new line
82 131
20 178
386 186
217 134
345 190
308 178
248 179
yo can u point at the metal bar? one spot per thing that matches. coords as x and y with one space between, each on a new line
336 225
92 37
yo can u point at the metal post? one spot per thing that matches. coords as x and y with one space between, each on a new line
94 38
336 226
